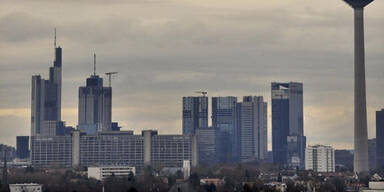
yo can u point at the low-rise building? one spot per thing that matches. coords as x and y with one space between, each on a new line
25 187
208 181
101 173
374 186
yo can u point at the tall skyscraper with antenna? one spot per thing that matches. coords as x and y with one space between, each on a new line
360 162
46 99
95 105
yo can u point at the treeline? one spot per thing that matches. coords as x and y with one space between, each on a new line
245 178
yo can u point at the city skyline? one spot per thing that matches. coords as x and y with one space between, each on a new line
328 103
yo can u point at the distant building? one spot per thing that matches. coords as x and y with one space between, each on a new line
26 187
344 158
380 139
51 151
320 158
95 106
195 113
374 186
186 169
173 150
101 173
11 152
288 140
372 153
207 145
22 147
224 118
215 181
113 148
46 99
115 126
269 157
252 114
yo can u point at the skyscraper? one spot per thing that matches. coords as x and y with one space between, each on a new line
224 119
380 139
95 106
46 99
207 145
252 128
288 140
195 113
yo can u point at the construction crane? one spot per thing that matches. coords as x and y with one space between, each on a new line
202 92
109 74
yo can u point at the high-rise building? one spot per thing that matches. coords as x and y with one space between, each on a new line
380 139
207 145
372 153
288 140
252 114
320 158
224 119
95 106
195 113
22 147
46 99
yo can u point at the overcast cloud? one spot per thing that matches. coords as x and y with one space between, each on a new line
166 49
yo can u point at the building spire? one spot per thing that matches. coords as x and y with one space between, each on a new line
94 64
55 38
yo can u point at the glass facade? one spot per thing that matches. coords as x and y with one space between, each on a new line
288 140
195 113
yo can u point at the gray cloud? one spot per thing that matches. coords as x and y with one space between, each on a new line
19 26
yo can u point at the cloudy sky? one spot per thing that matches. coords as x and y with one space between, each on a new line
166 49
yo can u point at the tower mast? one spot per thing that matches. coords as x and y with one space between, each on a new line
360 161
94 64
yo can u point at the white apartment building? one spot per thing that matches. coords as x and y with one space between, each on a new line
320 158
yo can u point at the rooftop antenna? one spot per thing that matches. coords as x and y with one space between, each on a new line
55 38
204 93
109 74
94 64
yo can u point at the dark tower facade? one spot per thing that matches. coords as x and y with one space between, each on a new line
380 139
22 147
288 140
224 119
95 105
195 113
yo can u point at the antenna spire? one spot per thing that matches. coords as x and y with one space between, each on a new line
55 38
94 64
